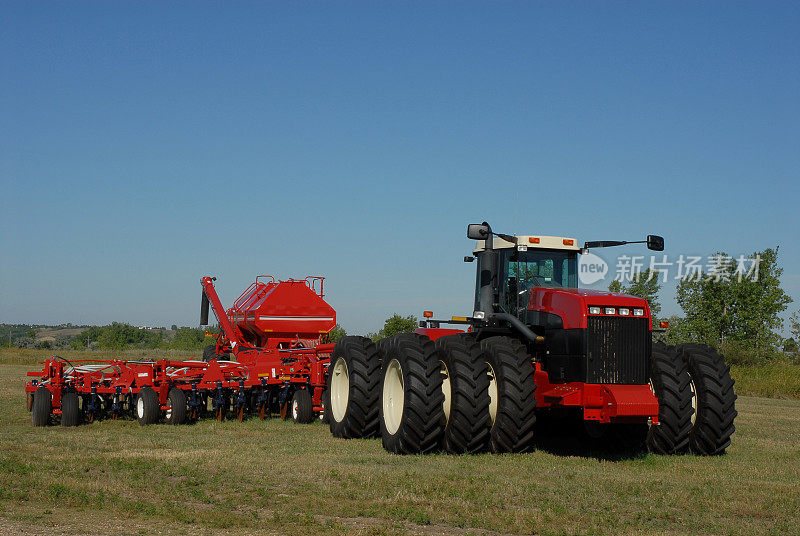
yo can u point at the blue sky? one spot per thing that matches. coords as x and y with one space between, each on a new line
144 145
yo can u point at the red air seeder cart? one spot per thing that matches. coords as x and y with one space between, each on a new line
270 357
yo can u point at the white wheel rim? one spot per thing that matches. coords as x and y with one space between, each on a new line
295 411
169 409
446 390
393 396
492 394
340 389
140 407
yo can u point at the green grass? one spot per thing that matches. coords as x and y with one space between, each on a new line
274 477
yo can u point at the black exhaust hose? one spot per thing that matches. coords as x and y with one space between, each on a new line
517 324
204 310
487 279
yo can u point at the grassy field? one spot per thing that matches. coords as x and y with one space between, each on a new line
274 477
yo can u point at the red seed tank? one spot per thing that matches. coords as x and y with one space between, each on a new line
283 314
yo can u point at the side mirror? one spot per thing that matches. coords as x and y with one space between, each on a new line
655 242
478 231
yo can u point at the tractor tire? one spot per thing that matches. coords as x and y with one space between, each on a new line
176 411
354 378
382 345
148 409
512 391
326 404
465 384
302 407
716 399
70 412
210 353
41 407
671 383
412 413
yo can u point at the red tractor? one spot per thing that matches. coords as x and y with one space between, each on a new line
535 347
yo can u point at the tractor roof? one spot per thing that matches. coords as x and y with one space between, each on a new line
533 241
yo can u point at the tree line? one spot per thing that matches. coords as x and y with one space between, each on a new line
115 336
121 336
741 316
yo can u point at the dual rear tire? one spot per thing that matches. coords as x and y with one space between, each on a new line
512 391
454 395
354 388
465 385
697 403
713 399
412 402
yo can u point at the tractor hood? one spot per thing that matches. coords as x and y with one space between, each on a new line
572 304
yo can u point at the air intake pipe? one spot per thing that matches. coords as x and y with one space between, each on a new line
204 310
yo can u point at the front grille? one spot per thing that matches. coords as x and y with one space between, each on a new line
618 350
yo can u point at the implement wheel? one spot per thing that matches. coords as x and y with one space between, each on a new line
715 399
326 405
354 382
412 412
671 383
176 407
41 406
70 412
147 407
302 407
465 384
511 389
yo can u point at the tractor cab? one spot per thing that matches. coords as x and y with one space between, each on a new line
529 262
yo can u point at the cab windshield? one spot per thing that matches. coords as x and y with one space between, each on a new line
521 270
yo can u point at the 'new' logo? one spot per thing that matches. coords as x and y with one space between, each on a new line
591 268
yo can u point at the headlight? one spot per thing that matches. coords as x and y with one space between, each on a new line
624 312
611 311
479 315
638 312
594 310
